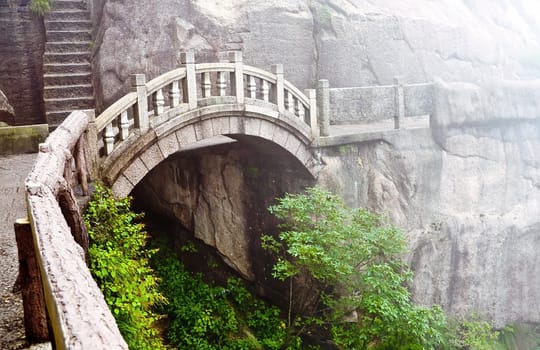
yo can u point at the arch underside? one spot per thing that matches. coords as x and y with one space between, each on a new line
139 154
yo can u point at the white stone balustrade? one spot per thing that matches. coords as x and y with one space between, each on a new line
195 85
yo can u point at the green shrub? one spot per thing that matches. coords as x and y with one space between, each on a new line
203 316
40 7
119 263
351 262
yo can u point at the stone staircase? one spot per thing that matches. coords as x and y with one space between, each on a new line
66 63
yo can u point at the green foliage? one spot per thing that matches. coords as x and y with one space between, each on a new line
119 263
203 316
351 260
472 333
40 7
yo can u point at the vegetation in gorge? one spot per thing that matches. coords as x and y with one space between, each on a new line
349 258
348 261
119 262
208 316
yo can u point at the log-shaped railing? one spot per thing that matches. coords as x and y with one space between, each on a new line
197 85
76 308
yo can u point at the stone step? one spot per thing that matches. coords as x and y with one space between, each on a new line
68 35
67 91
70 103
67 78
68 5
65 46
67 57
59 68
84 25
67 15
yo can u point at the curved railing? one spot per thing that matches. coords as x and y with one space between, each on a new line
76 309
195 85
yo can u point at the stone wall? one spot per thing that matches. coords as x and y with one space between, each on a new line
21 52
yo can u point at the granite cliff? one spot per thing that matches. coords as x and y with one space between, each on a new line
467 190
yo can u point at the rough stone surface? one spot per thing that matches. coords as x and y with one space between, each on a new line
351 43
21 54
221 194
7 114
467 192
13 170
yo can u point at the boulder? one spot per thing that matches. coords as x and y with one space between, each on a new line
7 113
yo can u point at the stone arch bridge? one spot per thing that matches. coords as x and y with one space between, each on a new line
189 105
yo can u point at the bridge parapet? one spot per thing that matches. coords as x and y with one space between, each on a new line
193 86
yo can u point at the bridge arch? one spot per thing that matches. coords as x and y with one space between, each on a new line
128 164
193 103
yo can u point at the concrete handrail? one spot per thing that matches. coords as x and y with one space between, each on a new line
78 313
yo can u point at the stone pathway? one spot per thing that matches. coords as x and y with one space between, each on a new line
13 170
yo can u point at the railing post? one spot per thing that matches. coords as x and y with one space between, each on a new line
142 122
400 103
189 87
237 81
35 313
277 69
92 152
323 106
312 97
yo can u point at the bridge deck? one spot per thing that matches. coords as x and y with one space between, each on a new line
352 133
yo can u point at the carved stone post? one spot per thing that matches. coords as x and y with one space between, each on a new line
141 112
92 153
277 69
312 97
237 80
323 106
400 103
35 313
189 84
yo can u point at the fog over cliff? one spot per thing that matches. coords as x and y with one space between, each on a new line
467 191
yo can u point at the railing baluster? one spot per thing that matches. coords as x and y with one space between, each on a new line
290 102
265 91
158 102
124 125
222 84
206 85
300 111
108 139
174 94
252 87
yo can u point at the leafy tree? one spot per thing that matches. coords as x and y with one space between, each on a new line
119 263
347 264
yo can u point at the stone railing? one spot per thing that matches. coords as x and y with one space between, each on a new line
77 311
370 104
194 86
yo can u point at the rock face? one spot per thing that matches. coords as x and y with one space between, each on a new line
7 114
351 43
468 193
221 195
21 55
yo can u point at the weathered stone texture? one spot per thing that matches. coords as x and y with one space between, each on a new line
21 53
467 192
353 43
7 114
221 195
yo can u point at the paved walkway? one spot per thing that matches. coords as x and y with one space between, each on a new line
13 170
